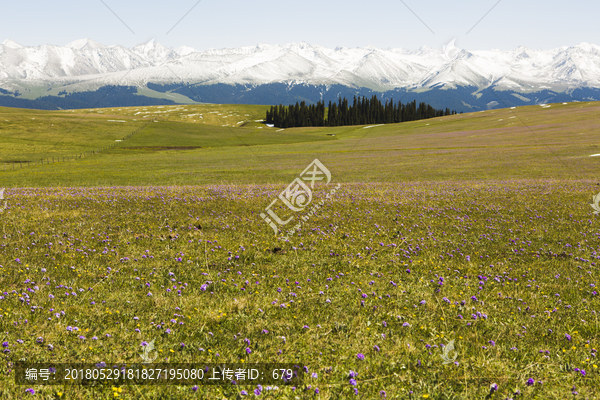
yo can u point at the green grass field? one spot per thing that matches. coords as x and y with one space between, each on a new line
524 143
475 228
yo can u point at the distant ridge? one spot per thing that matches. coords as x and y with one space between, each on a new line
522 69
447 74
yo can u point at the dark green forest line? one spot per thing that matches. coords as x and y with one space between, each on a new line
363 111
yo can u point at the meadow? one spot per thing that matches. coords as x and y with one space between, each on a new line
524 143
475 229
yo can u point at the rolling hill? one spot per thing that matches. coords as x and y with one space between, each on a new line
209 144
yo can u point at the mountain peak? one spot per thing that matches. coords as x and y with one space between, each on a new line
299 46
153 50
185 50
147 46
85 44
11 44
150 45
427 50
262 46
588 47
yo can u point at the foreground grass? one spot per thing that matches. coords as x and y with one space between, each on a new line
394 272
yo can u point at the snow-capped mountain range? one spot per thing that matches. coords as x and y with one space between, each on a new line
87 64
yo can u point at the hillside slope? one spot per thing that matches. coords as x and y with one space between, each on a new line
555 141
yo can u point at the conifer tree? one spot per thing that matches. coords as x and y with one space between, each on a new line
362 111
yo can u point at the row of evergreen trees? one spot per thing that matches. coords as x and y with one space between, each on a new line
363 111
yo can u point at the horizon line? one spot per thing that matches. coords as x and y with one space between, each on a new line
294 43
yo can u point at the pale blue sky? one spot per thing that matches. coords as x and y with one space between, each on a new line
350 23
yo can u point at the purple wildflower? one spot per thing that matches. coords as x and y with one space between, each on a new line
530 382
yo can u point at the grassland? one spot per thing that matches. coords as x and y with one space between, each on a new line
28 135
473 228
524 143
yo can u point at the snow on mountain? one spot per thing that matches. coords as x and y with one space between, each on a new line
579 64
11 44
155 52
85 44
49 62
384 69
93 64
184 50
466 69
